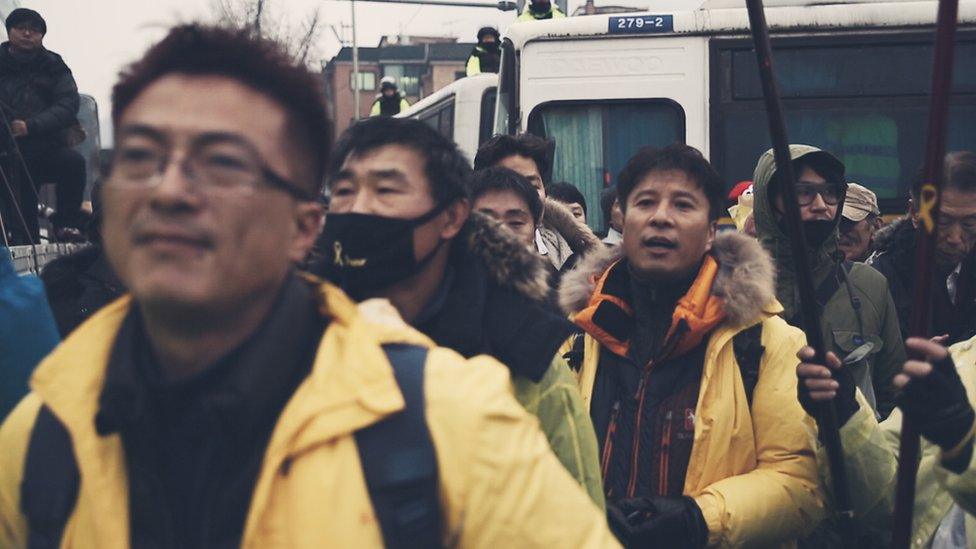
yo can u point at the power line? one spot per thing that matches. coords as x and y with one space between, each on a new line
503 5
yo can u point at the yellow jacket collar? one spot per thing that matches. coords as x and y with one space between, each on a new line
350 386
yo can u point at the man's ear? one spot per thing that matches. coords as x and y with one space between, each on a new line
712 231
308 222
457 215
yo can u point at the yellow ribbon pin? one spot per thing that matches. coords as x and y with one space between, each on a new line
928 199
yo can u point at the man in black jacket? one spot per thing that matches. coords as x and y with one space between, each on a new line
954 297
40 104
401 227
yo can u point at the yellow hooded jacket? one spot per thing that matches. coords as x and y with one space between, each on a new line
500 484
752 472
871 456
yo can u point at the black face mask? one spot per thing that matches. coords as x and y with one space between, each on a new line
490 46
366 253
538 7
817 232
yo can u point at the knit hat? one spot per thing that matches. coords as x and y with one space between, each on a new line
23 15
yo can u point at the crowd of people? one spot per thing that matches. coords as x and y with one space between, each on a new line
449 356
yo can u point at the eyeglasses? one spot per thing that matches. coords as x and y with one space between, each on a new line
27 27
806 192
213 163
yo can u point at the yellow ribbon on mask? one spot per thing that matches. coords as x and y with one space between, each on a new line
343 260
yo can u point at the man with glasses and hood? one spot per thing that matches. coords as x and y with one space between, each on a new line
858 318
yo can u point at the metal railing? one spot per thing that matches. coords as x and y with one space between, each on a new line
31 259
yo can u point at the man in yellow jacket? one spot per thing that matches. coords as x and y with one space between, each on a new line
230 402
389 102
937 398
688 371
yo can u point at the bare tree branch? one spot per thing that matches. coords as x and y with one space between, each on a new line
263 18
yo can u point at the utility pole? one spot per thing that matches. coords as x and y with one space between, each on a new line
355 63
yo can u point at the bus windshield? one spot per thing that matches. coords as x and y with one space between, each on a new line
865 101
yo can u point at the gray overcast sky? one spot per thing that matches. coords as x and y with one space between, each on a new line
98 37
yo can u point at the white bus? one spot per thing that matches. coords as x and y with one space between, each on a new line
854 77
462 111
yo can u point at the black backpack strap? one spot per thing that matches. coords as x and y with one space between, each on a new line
748 350
399 461
49 487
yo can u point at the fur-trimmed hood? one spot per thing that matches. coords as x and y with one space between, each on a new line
894 233
508 262
559 218
745 280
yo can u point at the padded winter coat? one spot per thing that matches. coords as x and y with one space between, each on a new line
871 454
752 471
851 317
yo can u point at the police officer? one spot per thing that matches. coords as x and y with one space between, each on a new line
390 101
541 9
487 54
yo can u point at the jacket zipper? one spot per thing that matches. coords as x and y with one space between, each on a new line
635 452
662 488
608 447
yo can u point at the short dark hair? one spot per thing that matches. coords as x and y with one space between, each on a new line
241 55
503 179
500 147
677 157
566 193
959 172
446 167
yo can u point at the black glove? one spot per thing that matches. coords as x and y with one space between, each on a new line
658 521
845 401
938 405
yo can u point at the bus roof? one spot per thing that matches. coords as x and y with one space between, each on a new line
477 83
730 17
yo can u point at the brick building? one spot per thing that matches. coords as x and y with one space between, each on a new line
421 65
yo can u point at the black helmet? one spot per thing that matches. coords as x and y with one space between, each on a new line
484 31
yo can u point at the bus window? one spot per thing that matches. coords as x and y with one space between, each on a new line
486 125
595 140
440 117
446 123
853 99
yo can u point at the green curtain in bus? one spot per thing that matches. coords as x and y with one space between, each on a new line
578 132
633 126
